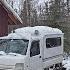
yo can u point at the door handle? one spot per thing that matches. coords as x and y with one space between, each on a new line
39 56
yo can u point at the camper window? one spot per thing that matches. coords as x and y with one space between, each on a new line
53 42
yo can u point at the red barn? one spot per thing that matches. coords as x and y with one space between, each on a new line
8 18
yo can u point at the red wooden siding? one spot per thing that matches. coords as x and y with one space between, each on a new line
7 18
3 21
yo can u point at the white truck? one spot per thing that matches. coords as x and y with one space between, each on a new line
32 48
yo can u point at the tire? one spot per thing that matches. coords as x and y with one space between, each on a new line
58 67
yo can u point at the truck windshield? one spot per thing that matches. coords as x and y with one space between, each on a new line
18 46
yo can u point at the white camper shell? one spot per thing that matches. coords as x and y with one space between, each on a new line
31 48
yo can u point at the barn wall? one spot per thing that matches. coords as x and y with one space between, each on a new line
3 21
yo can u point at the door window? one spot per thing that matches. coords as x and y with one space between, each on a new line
35 48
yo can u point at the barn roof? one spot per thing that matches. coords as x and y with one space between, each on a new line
11 13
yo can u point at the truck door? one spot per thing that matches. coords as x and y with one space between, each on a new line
35 56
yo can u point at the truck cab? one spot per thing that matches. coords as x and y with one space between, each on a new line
32 48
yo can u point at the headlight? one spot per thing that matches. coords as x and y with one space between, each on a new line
19 66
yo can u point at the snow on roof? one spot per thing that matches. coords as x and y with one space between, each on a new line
11 9
12 36
26 32
43 30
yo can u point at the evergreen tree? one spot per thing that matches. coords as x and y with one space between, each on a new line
55 13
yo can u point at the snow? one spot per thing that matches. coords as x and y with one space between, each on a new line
14 54
12 36
66 63
27 32
42 30
41 2
11 9
2 53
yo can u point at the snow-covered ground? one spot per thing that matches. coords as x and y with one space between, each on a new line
66 63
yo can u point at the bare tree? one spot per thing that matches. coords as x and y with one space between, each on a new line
29 13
